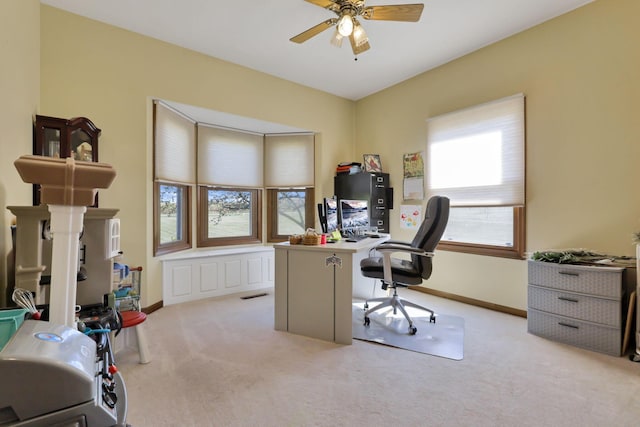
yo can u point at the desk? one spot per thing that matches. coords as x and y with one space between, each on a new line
315 286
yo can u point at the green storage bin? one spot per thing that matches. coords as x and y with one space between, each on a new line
10 321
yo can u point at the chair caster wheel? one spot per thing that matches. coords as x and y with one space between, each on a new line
367 321
432 319
412 330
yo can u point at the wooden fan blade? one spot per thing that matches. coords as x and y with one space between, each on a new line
358 49
322 3
396 12
314 31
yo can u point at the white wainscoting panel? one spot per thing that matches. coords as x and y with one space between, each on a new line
233 273
181 280
255 273
198 275
208 276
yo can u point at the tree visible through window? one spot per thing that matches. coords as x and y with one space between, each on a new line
291 212
229 213
172 219
228 216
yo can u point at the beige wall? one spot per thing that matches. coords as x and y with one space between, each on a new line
109 75
20 89
581 75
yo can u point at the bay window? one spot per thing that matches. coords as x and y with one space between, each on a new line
233 171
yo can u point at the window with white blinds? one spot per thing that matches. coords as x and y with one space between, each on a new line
476 155
236 158
289 160
229 158
174 146
174 175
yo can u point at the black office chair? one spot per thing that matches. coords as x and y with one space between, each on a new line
396 272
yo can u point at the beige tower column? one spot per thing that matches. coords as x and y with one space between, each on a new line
68 187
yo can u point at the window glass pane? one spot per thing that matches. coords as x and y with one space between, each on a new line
485 226
291 212
171 213
229 213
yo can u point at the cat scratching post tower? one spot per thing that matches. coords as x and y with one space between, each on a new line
67 187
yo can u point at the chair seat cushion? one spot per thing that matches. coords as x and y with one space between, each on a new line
403 271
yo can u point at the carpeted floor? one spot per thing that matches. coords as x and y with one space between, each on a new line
219 362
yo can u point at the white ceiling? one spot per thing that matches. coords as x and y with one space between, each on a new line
256 33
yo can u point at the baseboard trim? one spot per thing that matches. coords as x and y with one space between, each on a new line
153 307
471 301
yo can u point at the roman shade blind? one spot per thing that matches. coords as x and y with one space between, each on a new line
175 146
229 157
476 155
289 160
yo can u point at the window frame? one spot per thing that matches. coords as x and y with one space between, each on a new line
177 245
515 197
272 212
517 251
203 218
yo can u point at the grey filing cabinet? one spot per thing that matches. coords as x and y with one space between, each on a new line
371 186
579 305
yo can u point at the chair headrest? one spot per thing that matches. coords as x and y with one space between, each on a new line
439 224
433 225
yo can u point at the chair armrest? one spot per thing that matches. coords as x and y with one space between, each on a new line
398 242
386 249
390 248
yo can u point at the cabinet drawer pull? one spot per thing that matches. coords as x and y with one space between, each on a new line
567 299
569 273
568 325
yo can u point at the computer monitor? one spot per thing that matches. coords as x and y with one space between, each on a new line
354 215
331 214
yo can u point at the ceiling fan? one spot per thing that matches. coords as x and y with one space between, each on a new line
347 24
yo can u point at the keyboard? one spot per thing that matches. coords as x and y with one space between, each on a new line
355 238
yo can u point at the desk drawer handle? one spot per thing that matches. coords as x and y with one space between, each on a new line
568 299
569 273
568 325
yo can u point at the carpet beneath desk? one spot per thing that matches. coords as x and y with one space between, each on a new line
445 338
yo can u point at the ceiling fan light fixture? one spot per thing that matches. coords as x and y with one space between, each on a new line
346 21
359 36
345 25
336 40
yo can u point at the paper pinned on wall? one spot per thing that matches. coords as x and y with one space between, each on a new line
413 168
410 216
413 189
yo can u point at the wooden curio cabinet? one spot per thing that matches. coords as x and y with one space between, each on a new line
62 138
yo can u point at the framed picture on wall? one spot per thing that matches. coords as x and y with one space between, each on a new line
372 163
